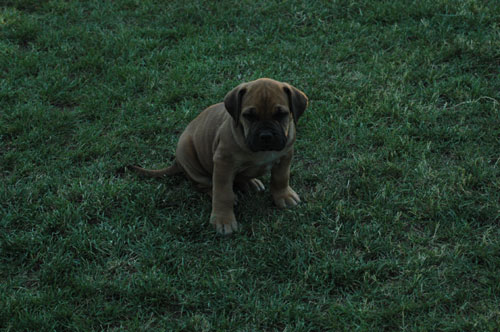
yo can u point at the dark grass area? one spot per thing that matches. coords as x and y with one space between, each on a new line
397 164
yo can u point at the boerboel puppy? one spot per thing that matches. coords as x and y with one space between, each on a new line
234 142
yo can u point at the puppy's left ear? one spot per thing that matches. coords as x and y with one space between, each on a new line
232 102
297 101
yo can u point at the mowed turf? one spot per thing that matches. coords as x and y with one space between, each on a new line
397 164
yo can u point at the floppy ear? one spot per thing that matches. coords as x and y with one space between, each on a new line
232 102
297 101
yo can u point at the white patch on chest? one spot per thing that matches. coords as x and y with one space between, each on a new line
268 158
260 163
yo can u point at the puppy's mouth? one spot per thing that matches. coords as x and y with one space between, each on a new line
266 139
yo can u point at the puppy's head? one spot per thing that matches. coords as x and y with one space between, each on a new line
265 109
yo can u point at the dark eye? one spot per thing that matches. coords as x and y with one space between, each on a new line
250 116
280 115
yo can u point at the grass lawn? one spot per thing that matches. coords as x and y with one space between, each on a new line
397 163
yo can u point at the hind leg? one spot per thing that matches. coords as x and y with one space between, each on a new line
187 158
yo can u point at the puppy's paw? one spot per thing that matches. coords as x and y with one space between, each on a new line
256 185
250 185
224 224
286 198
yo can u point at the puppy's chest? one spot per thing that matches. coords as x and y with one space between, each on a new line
260 165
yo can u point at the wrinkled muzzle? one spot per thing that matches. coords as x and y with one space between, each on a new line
267 137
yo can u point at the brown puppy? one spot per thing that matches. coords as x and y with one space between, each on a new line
234 142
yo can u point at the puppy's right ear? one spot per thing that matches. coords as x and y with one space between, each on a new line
232 102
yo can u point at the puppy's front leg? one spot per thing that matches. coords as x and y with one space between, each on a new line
223 197
283 195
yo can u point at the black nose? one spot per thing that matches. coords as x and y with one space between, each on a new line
266 136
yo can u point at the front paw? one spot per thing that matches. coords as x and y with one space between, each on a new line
224 224
286 198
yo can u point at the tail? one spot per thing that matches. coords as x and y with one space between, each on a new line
156 173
